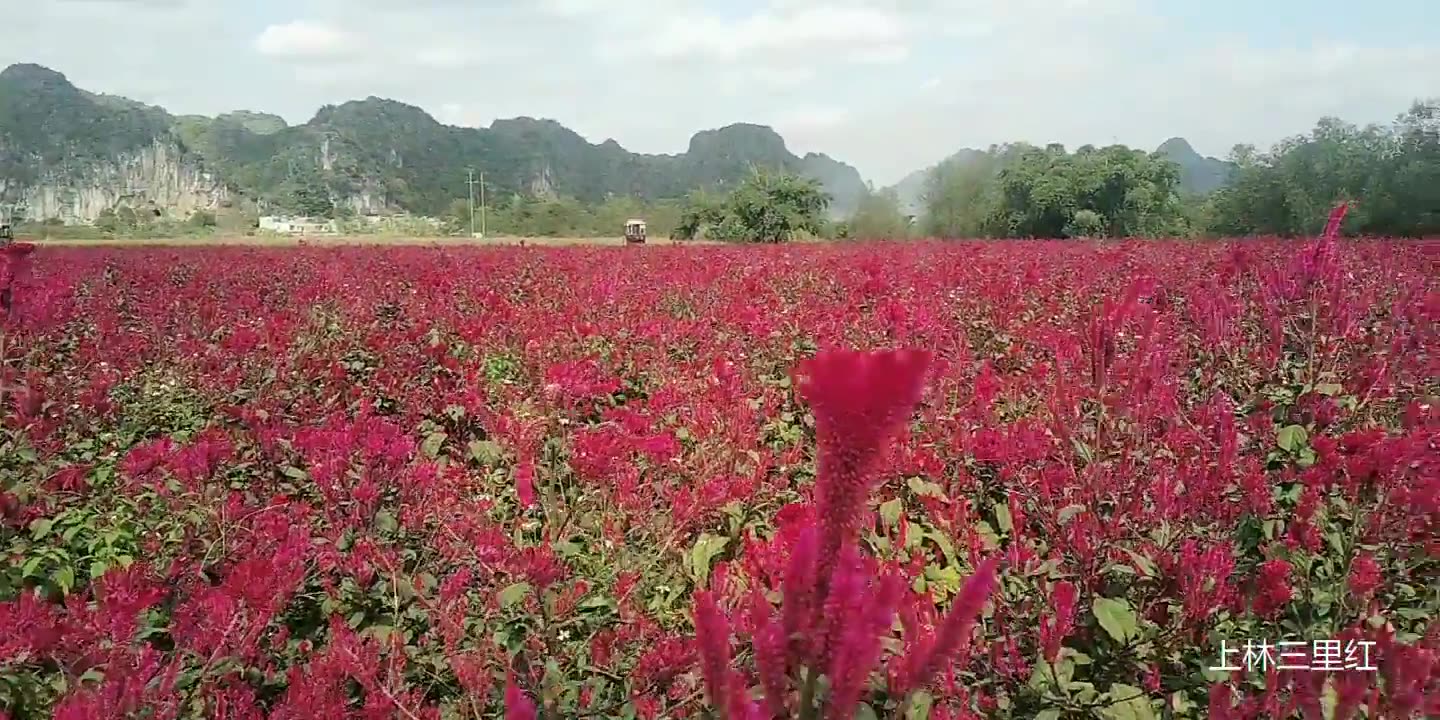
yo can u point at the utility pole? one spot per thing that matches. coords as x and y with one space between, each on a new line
470 182
482 204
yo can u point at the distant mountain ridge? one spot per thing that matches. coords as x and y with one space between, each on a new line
1198 174
71 154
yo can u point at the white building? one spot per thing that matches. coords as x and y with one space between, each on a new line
298 226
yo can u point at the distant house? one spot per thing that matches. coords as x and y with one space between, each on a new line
298 226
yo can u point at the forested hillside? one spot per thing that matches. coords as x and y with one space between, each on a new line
70 154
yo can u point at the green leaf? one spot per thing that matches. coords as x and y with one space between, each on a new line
40 527
65 578
1068 512
1145 564
98 568
865 712
1291 438
1307 457
1048 714
514 594
1128 703
597 602
385 521
294 473
707 546
924 488
1331 389
484 452
919 707
1002 517
941 541
946 578
433 442
987 534
890 512
1117 618
31 565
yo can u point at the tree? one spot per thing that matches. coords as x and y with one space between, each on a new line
878 216
767 208
960 195
703 213
308 196
1120 191
775 207
1392 173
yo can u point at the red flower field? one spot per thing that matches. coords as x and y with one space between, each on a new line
1014 479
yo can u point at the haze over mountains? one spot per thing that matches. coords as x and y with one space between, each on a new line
1198 174
71 154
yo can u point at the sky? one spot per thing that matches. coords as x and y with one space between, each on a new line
889 86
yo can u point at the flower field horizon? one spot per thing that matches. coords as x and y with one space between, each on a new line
1021 479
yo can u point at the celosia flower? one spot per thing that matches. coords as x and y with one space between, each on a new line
712 631
954 631
518 705
1272 591
1055 628
770 654
859 401
1364 575
525 484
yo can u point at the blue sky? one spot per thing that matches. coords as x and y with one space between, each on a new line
889 86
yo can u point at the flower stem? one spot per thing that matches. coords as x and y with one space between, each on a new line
808 711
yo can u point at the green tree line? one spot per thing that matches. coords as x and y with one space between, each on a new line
1390 172
525 216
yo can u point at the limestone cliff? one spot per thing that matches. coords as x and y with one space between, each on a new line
154 178
70 154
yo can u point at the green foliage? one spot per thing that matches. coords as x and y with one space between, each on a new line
306 195
878 216
124 221
960 195
767 208
1393 174
1026 191
1126 193
393 154
524 216
63 128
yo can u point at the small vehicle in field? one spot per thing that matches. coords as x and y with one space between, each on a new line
634 232
7 235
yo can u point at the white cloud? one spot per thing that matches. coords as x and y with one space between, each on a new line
809 119
835 29
305 39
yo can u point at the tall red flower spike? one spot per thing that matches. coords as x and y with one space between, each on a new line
517 705
860 399
1337 217
712 631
